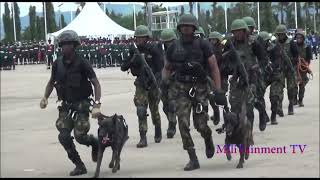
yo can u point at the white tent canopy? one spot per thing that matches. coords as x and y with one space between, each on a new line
92 21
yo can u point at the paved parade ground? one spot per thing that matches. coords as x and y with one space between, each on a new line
30 146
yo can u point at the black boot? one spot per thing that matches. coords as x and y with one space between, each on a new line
75 158
193 162
280 113
290 109
209 147
171 130
301 102
80 169
263 121
157 134
273 118
295 101
143 140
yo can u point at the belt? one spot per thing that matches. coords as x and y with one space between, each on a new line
188 78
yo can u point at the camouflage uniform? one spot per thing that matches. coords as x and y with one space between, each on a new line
145 94
305 55
190 89
215 39
259 104
169 106
282 67
251 56
74 110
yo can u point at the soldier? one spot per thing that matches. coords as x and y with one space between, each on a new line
187 61
215 38
252 55
74 93
42 52
169 107
259 104
10 58
281 65
49 52
305 56
289 52
268 45
35 52
146 93
2 54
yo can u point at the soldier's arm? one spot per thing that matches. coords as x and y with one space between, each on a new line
294 51
50 84
261 53
127 63
212 63
158 60
93 79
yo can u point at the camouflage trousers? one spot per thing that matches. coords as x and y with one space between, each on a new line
276 93
79 122
142 99
169 106
292 89
302 84
179 92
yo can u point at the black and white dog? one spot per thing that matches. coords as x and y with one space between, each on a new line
113 131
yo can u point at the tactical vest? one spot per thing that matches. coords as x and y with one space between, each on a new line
182 55
72 85
246 54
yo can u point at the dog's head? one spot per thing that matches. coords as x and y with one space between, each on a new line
231 122
106 129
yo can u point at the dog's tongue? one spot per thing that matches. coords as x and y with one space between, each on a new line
105 140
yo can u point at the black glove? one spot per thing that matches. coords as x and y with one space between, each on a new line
219 97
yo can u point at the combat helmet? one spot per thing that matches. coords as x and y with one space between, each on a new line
188 19
142 31
249 21
68 36
215 35
265 35
281 29
239 24
301 32
168 35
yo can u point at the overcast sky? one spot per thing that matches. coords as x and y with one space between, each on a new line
68 6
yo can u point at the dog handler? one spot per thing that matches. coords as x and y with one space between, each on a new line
70 74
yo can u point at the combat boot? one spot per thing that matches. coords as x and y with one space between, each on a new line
209 147
171 130
295 101
301 103
193 162
280 113
80 169
157 134
263 119
290 109
73 155
273 118
143 140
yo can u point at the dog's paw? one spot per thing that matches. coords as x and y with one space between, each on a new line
111 165
229 157
240 165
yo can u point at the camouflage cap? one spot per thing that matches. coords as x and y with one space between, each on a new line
239 24
265 35
168 35
142 31
188 19
249 21
215 35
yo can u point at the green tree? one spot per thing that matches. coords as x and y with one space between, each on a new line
17 20
7 24
32 22
290 16
191 7
40 35
51 22
267 20
63 23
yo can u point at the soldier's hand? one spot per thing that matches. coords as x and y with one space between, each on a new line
43 103
220 97
95 111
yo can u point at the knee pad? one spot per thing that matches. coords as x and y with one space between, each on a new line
141 111
84 139
65 138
